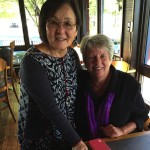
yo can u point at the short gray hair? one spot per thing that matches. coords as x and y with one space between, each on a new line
96 41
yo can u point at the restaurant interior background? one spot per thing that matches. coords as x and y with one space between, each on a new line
112 19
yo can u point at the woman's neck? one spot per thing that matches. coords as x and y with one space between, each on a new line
45 48
99 86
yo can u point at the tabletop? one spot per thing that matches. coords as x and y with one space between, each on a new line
133 141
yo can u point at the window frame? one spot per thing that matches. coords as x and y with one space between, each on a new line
144 69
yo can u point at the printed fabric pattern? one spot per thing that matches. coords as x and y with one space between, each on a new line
62 74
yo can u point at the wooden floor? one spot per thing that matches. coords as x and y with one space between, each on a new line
8 128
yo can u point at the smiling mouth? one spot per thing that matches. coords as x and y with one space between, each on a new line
60 38
98 68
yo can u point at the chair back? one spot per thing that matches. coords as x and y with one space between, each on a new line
5 54
4 97
12 46
13 77
121 65
12 70
3 76
2 64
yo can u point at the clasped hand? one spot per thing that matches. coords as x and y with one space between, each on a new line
112 131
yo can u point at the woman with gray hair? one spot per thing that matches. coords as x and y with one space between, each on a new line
97 41
109 102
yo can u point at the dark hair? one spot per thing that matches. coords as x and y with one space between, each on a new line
49 8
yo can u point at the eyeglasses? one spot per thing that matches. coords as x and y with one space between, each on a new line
68 25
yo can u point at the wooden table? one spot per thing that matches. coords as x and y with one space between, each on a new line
134 141
132 135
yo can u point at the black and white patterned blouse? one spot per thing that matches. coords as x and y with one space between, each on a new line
47 94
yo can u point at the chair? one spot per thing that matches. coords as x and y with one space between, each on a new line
4 97
5 54
121 65
117 57
12 79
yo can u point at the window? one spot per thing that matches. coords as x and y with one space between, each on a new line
32 11
93 17
147 56
112 22
10 23
144 45
145 89
146 80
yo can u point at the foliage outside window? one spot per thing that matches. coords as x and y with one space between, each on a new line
33 8
32 14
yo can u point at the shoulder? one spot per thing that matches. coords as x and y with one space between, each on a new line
29 53
27 57
127 78
72 51
126 82
36 56
121 77
30 59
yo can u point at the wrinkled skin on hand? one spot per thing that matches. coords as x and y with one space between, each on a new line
112 131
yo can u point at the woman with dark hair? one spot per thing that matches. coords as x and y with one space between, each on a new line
49 82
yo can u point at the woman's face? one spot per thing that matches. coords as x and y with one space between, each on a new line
61 28
98 63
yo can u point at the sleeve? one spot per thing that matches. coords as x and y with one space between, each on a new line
80 111
38 87
80 119
140 110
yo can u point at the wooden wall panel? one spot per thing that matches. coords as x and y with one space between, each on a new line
127 36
